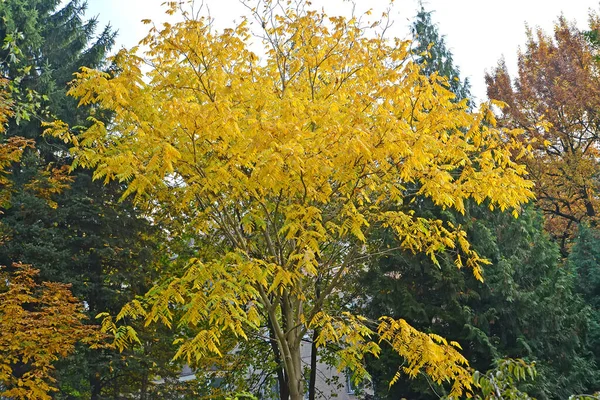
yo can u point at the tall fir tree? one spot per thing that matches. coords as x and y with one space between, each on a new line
429 46
84 235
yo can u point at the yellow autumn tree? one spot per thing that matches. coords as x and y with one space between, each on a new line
284 161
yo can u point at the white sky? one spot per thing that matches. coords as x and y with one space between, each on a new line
478 32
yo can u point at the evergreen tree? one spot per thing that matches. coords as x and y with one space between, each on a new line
434 56
525 308
584 262
84 235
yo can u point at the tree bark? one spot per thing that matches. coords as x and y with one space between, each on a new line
284 390
297 361
288 344
313 366
589 207
96 386
313 352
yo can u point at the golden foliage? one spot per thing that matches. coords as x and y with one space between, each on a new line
287 163
39 323
555 99
12 148
428 353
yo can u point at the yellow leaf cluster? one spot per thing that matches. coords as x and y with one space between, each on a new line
429 353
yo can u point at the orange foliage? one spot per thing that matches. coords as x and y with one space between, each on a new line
39 324
556 100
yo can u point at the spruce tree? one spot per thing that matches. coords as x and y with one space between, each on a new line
525 308
434 56
84 235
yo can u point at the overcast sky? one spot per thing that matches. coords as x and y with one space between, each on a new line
478 32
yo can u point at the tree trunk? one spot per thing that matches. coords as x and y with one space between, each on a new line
587 202
313 351
298 365
287 335
284 389
96 386
294 371
313 366
289 346
144 387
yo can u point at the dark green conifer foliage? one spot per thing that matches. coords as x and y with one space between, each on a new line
584 263
433 54
526 307
84 236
